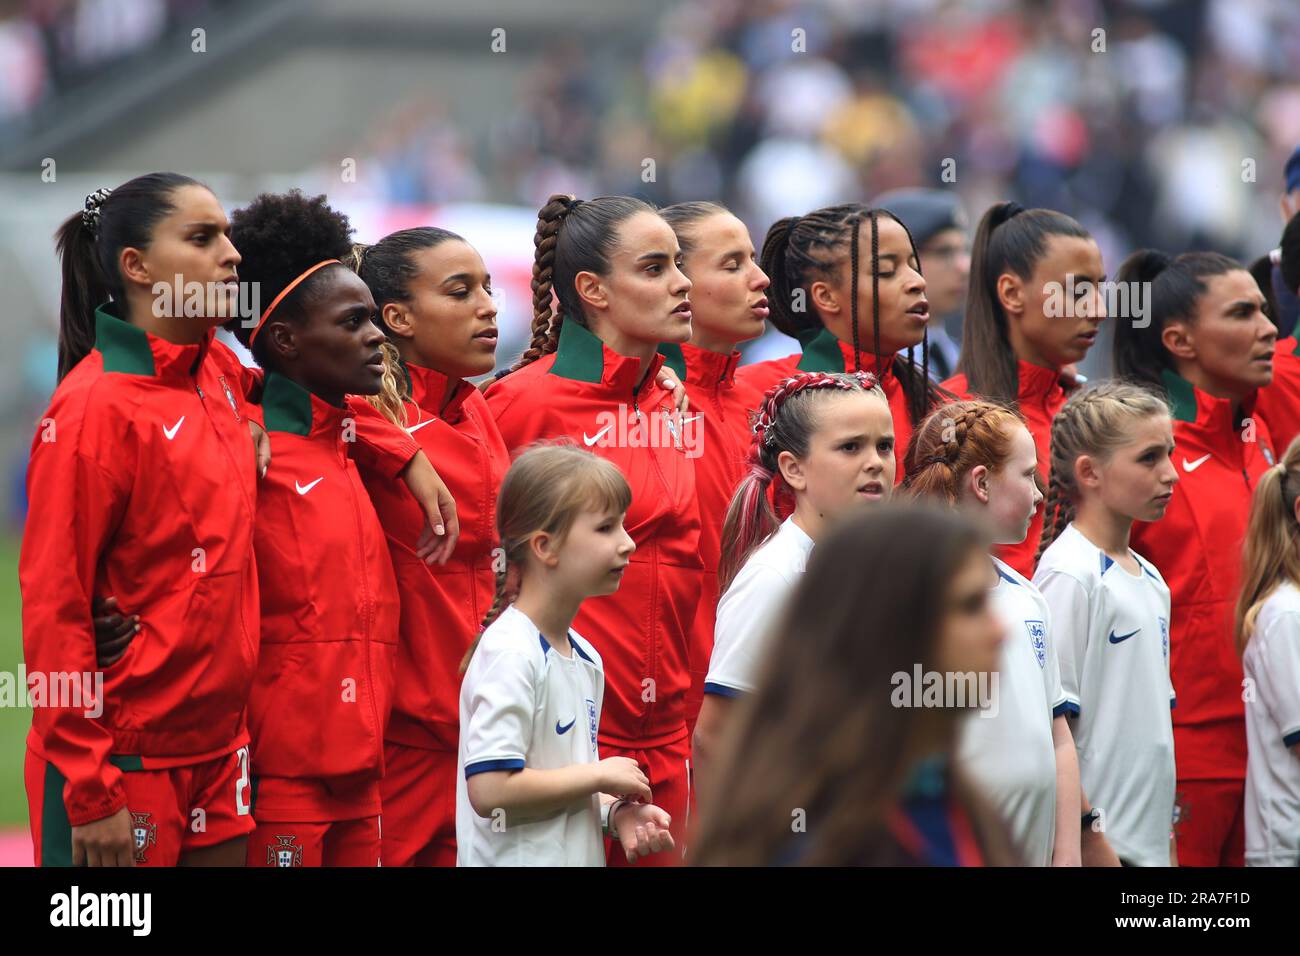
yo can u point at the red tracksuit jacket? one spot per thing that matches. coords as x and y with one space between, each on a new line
1039 398
442 606
588 392
323 688
1197 547
823 352
726 408
1279 403
142 485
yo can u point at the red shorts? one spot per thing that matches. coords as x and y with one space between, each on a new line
419 797
670 790
1211 829
338 843
173 811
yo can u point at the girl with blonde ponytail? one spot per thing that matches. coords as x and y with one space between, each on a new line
531 698
1268 637
1112 465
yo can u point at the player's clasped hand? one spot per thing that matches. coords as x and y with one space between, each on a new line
114 631
622 777
106 842
642 829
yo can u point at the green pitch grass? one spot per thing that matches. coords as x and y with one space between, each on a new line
14 721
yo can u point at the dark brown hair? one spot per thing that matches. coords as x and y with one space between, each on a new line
126 219
821 734
1009 239
799 249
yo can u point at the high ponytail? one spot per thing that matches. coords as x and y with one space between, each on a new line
89 244
1271 552
785 422
1012 239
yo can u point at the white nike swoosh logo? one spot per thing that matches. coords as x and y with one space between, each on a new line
415 428
171 432
302 490
687 421
1190 466
592 439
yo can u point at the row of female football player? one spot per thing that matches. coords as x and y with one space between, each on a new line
320 593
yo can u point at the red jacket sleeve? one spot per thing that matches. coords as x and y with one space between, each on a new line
75 505
381 446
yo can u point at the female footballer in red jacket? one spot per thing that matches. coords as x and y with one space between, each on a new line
1021 330
323 687
434 299
590 375
818 293
142 486
1207 344
728 306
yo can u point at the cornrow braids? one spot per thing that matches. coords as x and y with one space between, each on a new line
1095 421
798 249
784 422
954 439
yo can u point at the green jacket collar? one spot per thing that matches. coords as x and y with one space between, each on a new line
583 357
130 350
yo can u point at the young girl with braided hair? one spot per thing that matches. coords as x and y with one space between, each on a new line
1111 465
1268 637
823 288
979 457
826 442
590 374
531 699
1021 334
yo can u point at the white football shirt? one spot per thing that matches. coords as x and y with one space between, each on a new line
1008 750
523 704
1111 630
748 611
1272 665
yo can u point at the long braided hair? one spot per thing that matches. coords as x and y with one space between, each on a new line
800 249
784 422
1094 421
952 441
544 491
572 236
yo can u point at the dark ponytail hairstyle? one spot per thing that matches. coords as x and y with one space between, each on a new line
388 267
89 244
1175 285
1013 239
799 249
280 236
572 236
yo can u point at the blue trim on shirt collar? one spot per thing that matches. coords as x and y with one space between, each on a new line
1106 562
1006 577
581 652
